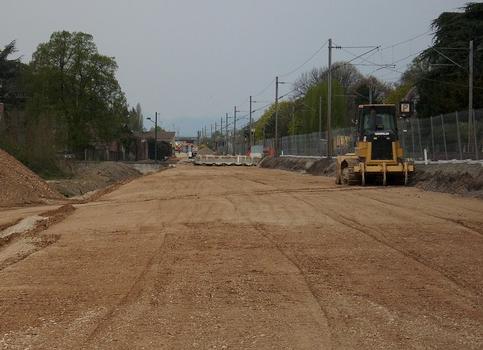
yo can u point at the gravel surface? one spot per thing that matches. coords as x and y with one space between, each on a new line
249 258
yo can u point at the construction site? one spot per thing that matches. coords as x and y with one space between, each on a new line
238 257
241 175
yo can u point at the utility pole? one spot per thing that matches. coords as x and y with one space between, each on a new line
214 139
276 117
320 115
471 116
329 103
234 130
226 134
156 137
370 94
250 123
221 135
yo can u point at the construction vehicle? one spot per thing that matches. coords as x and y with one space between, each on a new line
378 154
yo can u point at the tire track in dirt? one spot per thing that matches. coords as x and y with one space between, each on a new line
295 263
260 230
420 211
132 294
357 226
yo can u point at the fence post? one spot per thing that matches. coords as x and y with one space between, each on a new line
432 139
403 136
419 138
458 135
475 131
412 138
444 137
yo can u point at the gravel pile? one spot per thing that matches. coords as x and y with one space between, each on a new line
20 186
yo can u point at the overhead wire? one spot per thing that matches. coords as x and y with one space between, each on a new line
306 61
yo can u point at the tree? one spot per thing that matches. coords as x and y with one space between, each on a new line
367 86
77 87
136 119
443 86
10 74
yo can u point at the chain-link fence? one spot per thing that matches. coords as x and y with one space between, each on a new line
444 137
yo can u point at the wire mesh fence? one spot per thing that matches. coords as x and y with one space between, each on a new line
444 137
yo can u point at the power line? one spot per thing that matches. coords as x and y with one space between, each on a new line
406 41
306 61
422 78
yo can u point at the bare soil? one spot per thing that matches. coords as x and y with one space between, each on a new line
457 178
463 179
91 176
250 258
20 186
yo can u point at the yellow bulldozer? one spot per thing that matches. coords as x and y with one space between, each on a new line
378 154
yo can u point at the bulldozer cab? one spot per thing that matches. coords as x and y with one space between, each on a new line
375 121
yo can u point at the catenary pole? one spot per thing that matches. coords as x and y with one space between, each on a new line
329 103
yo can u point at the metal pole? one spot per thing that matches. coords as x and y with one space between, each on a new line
226 133
412 138
293 131
221 134
156 137
419 138
329 103
470 95
475 129
458 135
250 123
444 137
432 138
276 117
234 130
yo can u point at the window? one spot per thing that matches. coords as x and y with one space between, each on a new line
375 121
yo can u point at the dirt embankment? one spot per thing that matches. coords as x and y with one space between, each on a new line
461 179
325 167
20 186
90 176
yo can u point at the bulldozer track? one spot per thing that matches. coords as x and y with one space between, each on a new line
132 293
454 221
262 232
307 283
461 285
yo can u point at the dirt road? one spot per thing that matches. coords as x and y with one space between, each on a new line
246 258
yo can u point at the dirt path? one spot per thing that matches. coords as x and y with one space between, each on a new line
246 258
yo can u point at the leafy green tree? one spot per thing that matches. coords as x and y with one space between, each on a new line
136 119
442 86
77 87
10 75
366 86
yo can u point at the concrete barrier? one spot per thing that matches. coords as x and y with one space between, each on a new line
210 160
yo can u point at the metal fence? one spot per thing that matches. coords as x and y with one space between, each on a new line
444 137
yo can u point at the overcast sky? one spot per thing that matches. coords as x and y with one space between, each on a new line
193 60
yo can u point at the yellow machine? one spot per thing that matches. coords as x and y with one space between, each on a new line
378 153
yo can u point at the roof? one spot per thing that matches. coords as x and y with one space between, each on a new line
166 136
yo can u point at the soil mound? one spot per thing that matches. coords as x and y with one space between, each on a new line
458 178
20 186
91 176
463 179
205 151
312 166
